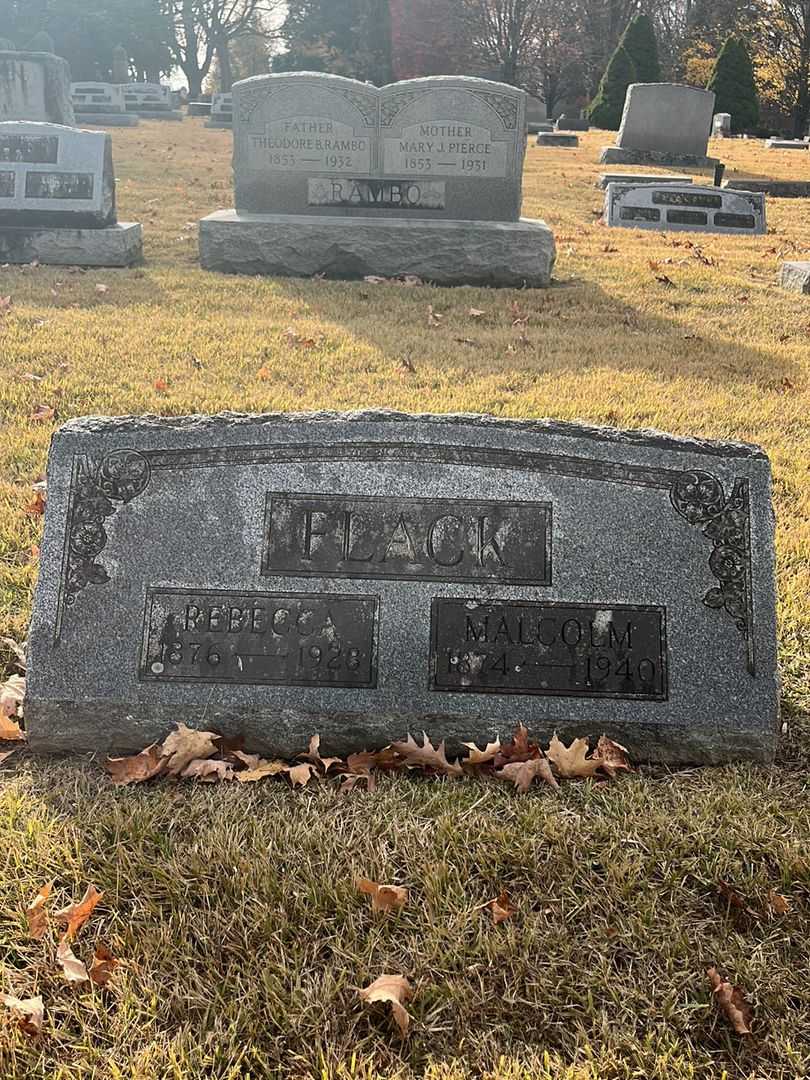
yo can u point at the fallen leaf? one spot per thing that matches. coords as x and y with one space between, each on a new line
74 969
5 304
353 780
17 649
264 373
12 694
433 317
261 770
518 748
734 899
394 989
501 907
572 762
208 771
731 1002
101 289
10 730
383 897
30 1012
300 775
522 773
481 757
427 755
76 915
612 756
43 413
408 364
161 385
137 768
373 279
184 745
36 506
37 915
776 902
476 313
314 754
103 966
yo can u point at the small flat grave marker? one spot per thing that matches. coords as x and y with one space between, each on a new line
684 207
365 575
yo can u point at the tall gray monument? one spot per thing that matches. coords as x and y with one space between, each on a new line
35 86
663 124
368 574
338 177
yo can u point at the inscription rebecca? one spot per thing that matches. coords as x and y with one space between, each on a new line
529 647
294 639
422 539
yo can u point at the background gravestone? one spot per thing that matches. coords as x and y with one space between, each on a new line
57 198
101 104
35 86
338 177
663 124
367 574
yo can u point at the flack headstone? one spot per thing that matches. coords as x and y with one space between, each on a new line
57 198
35 86
369 574
101 104
684 208
338 177
663 124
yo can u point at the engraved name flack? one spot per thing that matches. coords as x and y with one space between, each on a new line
530 647
421 539
291 639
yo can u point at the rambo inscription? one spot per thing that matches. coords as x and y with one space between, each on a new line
367 574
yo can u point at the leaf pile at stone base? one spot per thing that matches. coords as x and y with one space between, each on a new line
207 757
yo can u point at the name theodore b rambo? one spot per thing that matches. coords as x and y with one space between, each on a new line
298 136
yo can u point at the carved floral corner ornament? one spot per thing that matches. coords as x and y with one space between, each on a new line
701 500
117 479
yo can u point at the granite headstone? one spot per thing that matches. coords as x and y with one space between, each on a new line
363 575
776 189
338 177
221 114
35 86
663 124
101 104
150 101
795 277
684 208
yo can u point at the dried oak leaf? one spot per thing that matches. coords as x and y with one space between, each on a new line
12 695
74 969
383 897
314 754
300 775
103 966
30 1012
363 760
43 413
777 903
208 771
185 745
734 899
501 907
36 914
572 762
730 1002
137 768
37 505
76 915
481 757
426 756
518 748
258 768
394 989
612 756
522 773
10 730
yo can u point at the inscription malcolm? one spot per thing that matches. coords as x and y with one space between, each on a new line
422 539
530 647
292 639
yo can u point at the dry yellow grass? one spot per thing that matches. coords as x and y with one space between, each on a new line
236 910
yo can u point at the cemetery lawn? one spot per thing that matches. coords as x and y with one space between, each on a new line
235 910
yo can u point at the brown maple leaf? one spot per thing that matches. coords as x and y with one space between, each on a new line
74 969
185 745
612 756
208 771
300 775
426 756
76 915
481 757
522 773
393 989
36 914
730 1002
103 966
30 1012
572 762
137 768
501 907
383 897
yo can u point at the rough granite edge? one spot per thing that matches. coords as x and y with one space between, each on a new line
101 425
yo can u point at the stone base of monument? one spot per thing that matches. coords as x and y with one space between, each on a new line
557 138
777 189
640 178
795 276
212 123
169 114
116 245
446 252
97 120
626 155
786 144
199 108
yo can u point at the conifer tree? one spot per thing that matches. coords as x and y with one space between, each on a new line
732 82
606 108
638 41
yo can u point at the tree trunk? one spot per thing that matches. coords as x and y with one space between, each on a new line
224 65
